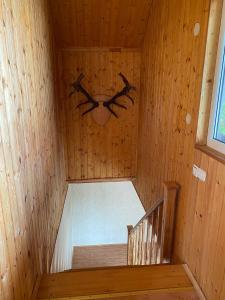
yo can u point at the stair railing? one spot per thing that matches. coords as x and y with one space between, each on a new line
150 241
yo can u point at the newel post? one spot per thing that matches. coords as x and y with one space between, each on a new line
130 245
171 190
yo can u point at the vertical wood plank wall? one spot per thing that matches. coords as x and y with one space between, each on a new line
171 82
94 151
32 177
99 23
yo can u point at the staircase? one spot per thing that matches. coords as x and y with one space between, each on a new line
158 282
149 274
151 240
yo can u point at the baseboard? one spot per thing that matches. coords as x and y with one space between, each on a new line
91 180
194 282
36 288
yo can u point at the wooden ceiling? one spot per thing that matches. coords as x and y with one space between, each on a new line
99 23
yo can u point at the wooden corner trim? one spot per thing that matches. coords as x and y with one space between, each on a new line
106 179
194 282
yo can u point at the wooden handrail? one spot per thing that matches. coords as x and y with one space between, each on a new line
150 241
148 213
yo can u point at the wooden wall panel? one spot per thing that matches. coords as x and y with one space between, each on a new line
171 83
94 151
95 256
32 176
100 23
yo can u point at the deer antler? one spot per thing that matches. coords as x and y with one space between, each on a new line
79 88
124 92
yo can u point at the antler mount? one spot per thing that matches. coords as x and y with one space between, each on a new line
108 104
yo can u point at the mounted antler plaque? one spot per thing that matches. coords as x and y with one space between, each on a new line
100 107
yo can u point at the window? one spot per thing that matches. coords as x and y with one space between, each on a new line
216 132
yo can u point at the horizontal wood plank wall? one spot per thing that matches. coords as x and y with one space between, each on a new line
94 256
32 177
94 151
100 23
171 85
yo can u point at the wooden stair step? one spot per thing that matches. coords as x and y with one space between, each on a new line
117 282
160 295
94 256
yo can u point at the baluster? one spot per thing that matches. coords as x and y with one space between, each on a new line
136 246
133 246
153 242
148 243
151 238
130 250
143 242
140 243
159 233
130 245
156 235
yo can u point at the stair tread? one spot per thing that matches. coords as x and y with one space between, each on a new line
113 281
112 267
161 295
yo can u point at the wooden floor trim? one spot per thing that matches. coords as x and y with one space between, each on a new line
194 282
92 180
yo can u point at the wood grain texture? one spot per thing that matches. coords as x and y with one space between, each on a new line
100 23
168 219
99 256
150 241
114 281
169 295
32 185
94 151
198 290
172 73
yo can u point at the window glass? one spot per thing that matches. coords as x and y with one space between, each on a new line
216 130
219 125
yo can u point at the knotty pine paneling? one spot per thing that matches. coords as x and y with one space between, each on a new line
100 23
94 151
32 177
171 73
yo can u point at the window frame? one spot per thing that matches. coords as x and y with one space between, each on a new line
220 64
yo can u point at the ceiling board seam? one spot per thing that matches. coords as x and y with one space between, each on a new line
98 49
